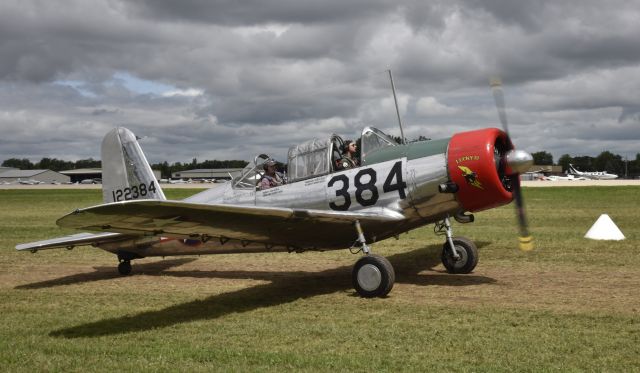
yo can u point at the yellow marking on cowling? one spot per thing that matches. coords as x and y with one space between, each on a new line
470 176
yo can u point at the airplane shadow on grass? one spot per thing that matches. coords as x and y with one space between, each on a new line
283 287
109 273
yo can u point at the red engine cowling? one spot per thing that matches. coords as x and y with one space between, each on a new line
477 165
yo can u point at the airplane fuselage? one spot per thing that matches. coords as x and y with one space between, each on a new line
403 178
408 185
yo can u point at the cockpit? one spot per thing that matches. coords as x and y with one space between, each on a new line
313 158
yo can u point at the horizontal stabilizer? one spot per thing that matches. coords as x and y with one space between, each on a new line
68 242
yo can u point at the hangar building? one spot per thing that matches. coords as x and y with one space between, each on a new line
44 176
80 174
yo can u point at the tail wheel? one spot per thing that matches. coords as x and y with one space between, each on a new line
467 251
124 268
373 276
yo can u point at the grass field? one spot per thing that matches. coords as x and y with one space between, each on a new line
571 305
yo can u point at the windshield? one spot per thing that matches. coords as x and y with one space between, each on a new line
251 174
373 139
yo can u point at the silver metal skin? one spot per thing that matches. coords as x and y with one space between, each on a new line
519 161
235 217
126 166
396 189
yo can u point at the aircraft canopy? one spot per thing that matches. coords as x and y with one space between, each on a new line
311 158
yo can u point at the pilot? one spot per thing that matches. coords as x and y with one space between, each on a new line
271 178
348 159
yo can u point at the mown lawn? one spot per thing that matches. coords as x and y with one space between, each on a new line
571 305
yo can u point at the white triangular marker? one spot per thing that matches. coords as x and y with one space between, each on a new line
604 229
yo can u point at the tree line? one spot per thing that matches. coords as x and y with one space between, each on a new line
52 164
167 169
606 161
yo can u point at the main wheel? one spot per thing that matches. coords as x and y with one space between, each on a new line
373 276
124 267
467 251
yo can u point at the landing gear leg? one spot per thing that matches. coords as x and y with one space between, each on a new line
361 240
449 232
459 254
372 275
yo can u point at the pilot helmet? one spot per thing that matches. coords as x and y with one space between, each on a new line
267 163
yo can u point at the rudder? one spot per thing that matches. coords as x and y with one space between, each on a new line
126 174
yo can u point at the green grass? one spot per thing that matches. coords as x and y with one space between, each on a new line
571 305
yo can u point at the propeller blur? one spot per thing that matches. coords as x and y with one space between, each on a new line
518 162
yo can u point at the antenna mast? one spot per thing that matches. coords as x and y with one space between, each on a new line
395 99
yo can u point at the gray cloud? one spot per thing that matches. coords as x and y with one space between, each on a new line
242 13
301 69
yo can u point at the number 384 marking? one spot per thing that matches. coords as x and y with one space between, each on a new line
393 182
133 192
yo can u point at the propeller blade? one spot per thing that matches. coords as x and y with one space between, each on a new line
498 97
525 239
518 162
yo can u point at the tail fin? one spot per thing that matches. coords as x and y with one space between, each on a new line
126 174
572 170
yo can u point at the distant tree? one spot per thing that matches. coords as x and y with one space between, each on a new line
88 163
542 158
166 170
23 164
45 163
398 139
609 162
564 161
634 167
583 163
54 164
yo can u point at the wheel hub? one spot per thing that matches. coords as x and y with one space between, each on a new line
369 277
462 260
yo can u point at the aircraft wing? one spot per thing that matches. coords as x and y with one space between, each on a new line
274 225
71 241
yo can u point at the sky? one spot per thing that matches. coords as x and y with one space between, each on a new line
232 79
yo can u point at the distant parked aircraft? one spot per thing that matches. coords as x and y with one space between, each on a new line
30 182
177 181
597 175
563 178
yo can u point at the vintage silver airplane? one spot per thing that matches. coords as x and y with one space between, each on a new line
396 188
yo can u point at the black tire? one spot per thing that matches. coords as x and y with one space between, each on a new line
373 276
124 268
468 256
